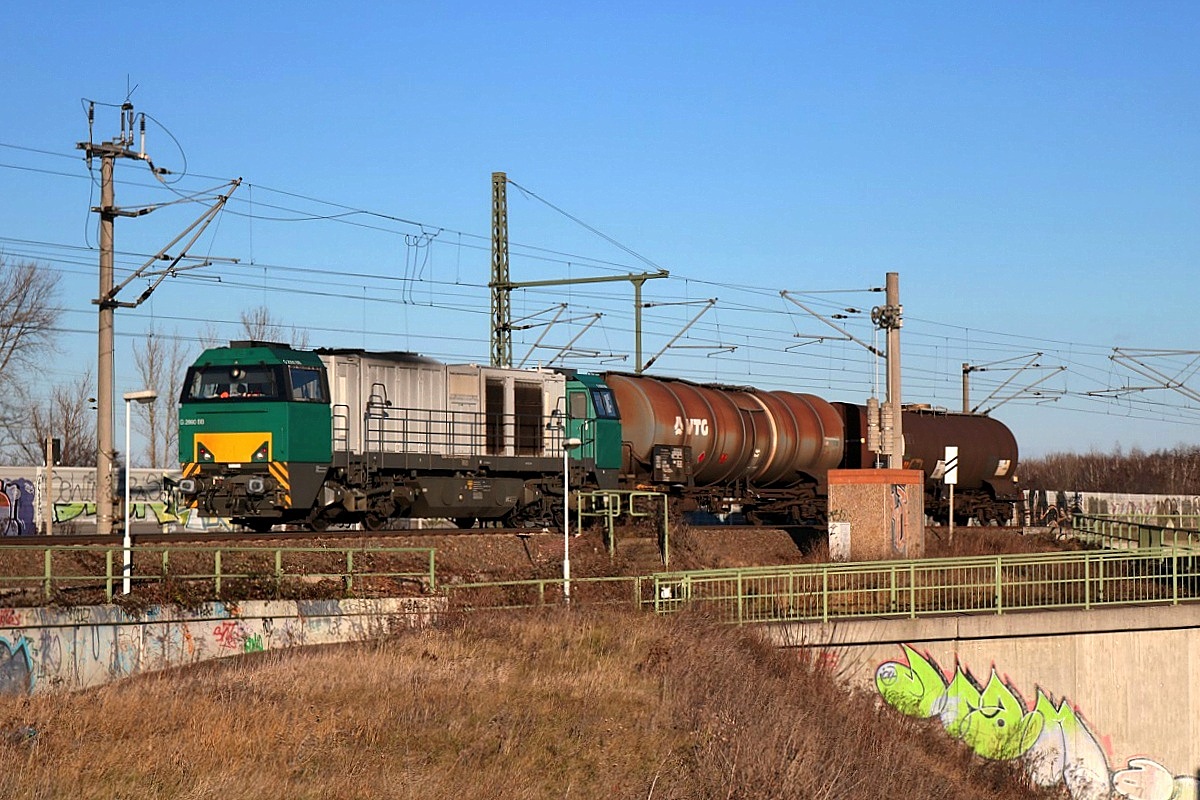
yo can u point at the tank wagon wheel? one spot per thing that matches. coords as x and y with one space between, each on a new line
465 522
259 525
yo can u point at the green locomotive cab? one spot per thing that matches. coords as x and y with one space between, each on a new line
595 421
254 433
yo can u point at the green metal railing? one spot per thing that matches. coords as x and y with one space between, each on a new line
59 570
613 504
989 584
1122 532
619 590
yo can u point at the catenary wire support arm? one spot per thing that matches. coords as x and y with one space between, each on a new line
708 304
546 326
845 334
1163 380
637 279
1022 390
198 226
567 347
969 368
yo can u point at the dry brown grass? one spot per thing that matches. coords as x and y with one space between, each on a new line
565 704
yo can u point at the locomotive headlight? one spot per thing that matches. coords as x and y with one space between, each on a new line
203 453
263 452
256 485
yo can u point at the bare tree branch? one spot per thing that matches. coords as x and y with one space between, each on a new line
67 415
161 363
28 312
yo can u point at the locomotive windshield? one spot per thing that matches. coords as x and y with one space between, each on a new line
255 382
232 382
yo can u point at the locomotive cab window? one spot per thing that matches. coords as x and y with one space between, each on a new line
606 404
307 385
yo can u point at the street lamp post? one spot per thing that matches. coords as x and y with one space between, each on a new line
145 397
567 445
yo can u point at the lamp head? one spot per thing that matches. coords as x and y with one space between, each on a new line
143 396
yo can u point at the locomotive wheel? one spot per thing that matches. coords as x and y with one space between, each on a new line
319 519
259 525
373 521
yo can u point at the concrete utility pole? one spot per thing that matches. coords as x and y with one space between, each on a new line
889 317
108 152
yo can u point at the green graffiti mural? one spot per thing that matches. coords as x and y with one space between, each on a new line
1057 746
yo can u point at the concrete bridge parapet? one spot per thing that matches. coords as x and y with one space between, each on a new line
1104 702
49 649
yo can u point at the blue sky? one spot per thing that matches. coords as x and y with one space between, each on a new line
1030 170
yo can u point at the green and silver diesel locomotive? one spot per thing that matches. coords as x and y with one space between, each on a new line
270 435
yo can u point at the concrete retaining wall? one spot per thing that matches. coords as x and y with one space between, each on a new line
45 649
1104 702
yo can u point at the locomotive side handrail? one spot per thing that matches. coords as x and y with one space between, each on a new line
456 433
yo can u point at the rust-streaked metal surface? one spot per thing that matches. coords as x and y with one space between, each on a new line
771 439
987 449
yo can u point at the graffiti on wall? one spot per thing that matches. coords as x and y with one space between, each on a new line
993 720
73 497
1051 508
16 667
897 519
16 507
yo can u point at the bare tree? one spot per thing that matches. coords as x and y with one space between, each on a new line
68 415
29 313
161 362
260 325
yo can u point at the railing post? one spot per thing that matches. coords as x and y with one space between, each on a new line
912 590
278 571
739 598
1175 576
999 586
217 572
432 571
825 594
894 600
1087 581
47 569
349 577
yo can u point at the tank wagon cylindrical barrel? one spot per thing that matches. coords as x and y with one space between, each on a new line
729 445
987 458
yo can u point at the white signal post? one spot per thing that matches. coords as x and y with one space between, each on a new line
951 477
567 445
145 397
